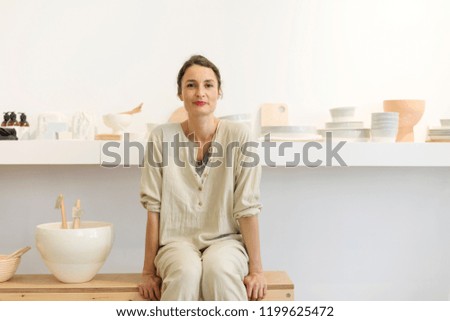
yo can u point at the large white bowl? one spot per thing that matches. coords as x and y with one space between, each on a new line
74 255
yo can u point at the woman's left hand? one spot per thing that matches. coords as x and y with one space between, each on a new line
256 285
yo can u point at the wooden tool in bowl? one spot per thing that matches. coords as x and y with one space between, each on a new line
18 253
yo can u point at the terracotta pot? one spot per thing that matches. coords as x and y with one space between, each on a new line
410 112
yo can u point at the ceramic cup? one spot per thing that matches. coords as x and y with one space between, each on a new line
384 127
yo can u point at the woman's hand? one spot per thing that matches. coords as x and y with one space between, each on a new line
256 285
150 288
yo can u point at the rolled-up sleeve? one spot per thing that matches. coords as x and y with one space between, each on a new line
247 180
152 172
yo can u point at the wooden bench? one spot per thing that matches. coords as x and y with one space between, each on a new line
110 287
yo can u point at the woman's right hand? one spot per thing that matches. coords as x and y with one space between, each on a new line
150 288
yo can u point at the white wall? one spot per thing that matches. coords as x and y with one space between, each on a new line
356 233
311 54
340 233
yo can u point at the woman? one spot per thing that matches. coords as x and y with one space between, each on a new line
202 236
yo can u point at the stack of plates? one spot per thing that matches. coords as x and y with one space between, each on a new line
348 134
440 134
344 127
344 124
290 133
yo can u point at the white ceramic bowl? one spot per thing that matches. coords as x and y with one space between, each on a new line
445 122
74 255
118 122
341 114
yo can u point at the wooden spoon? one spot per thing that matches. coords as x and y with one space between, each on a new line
18 253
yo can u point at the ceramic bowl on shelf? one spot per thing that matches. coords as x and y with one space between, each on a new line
118 122
445 123
74 255
342 114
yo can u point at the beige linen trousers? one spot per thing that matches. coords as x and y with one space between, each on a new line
215 274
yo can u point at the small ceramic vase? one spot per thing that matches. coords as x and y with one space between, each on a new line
410 112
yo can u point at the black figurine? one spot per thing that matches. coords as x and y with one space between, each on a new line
12 120
5 119
23 120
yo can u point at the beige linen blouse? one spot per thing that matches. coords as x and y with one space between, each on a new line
201 209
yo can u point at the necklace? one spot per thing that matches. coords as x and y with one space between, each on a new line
192 134
194 138
202 153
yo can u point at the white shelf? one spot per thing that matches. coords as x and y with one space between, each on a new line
353 154
371 154
50 152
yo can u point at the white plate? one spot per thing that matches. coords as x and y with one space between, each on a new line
440 138
346 132
289 130
344 125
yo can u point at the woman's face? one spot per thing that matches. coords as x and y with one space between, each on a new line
199 91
